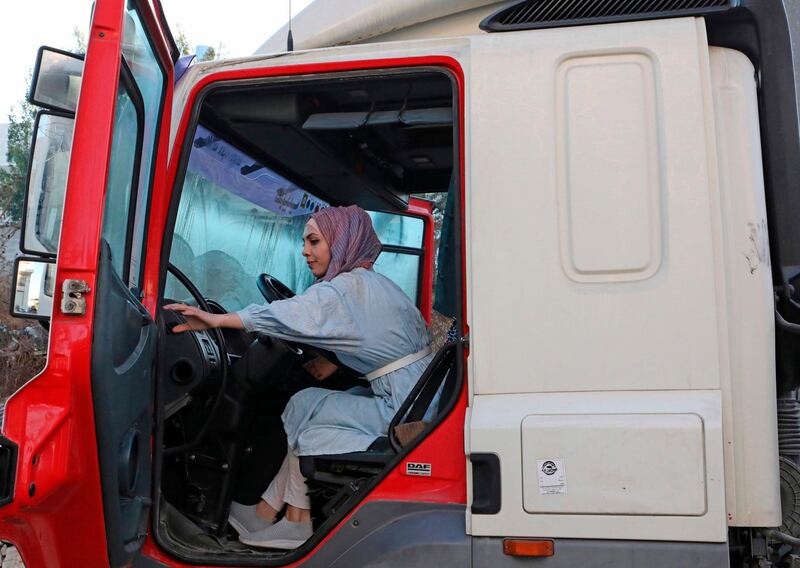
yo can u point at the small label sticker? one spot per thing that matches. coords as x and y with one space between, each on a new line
552 476
413 468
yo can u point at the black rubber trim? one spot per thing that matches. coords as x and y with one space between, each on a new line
485 484
174 51
128 81
8 470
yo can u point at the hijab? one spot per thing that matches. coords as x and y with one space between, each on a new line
350 236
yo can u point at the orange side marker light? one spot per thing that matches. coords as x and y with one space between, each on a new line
522 547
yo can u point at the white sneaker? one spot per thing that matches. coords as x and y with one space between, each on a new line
284 534
245 520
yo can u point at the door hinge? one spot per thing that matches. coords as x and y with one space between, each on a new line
72 300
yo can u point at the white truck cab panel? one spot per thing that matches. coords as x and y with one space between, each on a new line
621 270
748 394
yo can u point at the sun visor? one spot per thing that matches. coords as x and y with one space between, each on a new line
353 120
231 169
427 117
335 121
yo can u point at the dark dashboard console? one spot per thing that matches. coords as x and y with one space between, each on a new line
192 358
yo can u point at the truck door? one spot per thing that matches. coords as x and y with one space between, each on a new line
84 425
123 346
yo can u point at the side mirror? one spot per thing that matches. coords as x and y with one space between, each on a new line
56 80
47 183
33 288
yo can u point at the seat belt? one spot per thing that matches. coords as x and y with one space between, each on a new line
423 401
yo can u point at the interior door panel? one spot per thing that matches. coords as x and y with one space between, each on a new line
123 354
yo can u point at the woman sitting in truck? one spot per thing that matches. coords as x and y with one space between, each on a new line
372 327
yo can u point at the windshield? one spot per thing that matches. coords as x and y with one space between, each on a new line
238 219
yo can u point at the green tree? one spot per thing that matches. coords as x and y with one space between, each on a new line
209 55
185 47
183 42
13 177
213 53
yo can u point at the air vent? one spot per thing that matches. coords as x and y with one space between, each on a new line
533 14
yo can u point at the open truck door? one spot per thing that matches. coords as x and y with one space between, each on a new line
83 427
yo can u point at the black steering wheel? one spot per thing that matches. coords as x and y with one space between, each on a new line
273 289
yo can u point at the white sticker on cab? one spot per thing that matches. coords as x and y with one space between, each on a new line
413 468
552 476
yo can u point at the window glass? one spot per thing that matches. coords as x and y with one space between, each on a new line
50 164
402 269
399 230
125 138
150 79
175 291
236 220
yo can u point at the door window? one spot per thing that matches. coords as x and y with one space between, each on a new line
136 125
150 78
48 180
402 254
122 174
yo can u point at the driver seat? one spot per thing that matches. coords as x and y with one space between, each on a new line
338 476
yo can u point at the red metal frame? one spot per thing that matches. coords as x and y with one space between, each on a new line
56 518
444 447
424 210
162 188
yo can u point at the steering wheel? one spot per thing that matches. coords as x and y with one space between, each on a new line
273 289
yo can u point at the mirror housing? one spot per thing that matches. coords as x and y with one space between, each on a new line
47 183
57 79
33 289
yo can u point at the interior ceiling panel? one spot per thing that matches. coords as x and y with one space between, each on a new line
375 165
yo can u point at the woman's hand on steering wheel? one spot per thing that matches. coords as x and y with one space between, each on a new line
196 319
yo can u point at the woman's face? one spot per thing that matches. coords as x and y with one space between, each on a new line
315 249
